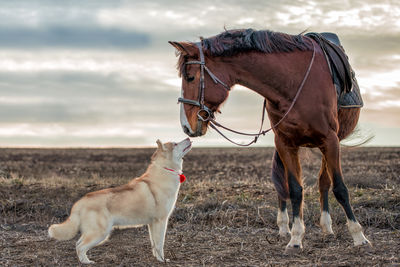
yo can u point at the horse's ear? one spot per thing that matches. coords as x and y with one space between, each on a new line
187 49
160 145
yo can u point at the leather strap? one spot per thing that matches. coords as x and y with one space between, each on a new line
213 123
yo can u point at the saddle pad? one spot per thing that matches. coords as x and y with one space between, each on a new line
351 99
348 92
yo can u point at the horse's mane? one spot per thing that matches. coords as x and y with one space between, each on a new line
233 42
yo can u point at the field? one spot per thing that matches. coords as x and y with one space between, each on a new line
225 213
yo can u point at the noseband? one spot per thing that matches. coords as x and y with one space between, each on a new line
210 114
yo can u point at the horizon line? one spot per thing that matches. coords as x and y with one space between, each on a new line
149 147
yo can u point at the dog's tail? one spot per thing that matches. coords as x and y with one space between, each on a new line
68 229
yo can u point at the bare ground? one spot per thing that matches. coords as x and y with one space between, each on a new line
225 214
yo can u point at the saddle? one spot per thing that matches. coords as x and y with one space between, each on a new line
343 76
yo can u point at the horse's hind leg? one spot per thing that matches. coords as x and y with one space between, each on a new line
324 185
280 182
282 220
331 151
290 159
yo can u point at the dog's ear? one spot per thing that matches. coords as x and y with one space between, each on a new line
160 145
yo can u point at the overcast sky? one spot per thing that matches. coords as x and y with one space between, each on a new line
101 73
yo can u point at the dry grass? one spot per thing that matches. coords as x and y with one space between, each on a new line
225 214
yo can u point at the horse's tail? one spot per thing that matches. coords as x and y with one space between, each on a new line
348 118
278 177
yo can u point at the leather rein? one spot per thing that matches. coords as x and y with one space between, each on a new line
209 114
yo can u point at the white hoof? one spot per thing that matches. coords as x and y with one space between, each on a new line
284 232
290 250
355 230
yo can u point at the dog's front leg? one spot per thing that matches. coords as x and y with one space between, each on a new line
157 231
153 248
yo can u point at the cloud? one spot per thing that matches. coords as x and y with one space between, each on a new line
82 98
101 72
42 13
72 38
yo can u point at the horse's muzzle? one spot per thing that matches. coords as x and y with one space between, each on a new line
198 131
190 133
187 131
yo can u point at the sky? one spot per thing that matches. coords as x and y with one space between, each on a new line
102 74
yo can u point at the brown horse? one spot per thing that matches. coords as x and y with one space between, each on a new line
277 66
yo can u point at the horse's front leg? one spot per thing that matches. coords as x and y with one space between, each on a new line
290 159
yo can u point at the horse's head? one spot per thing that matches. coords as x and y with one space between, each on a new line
205 86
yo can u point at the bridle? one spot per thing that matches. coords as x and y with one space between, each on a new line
209 114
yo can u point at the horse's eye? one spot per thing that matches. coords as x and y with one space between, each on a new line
189 79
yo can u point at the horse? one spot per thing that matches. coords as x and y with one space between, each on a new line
292 74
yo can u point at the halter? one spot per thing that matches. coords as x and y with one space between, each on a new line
210 114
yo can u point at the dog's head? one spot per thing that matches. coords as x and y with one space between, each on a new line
172 152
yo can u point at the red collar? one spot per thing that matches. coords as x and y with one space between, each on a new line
182 177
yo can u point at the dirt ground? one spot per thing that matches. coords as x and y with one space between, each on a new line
225 214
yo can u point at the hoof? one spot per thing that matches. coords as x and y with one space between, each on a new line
327 232
290 250
366 246
284 236
327 235
283 239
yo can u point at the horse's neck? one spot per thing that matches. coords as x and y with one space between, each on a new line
273 76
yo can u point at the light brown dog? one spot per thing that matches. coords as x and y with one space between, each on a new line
146 200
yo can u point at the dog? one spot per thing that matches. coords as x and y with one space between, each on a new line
146 200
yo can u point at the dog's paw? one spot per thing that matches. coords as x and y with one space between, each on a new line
87 262
160 259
